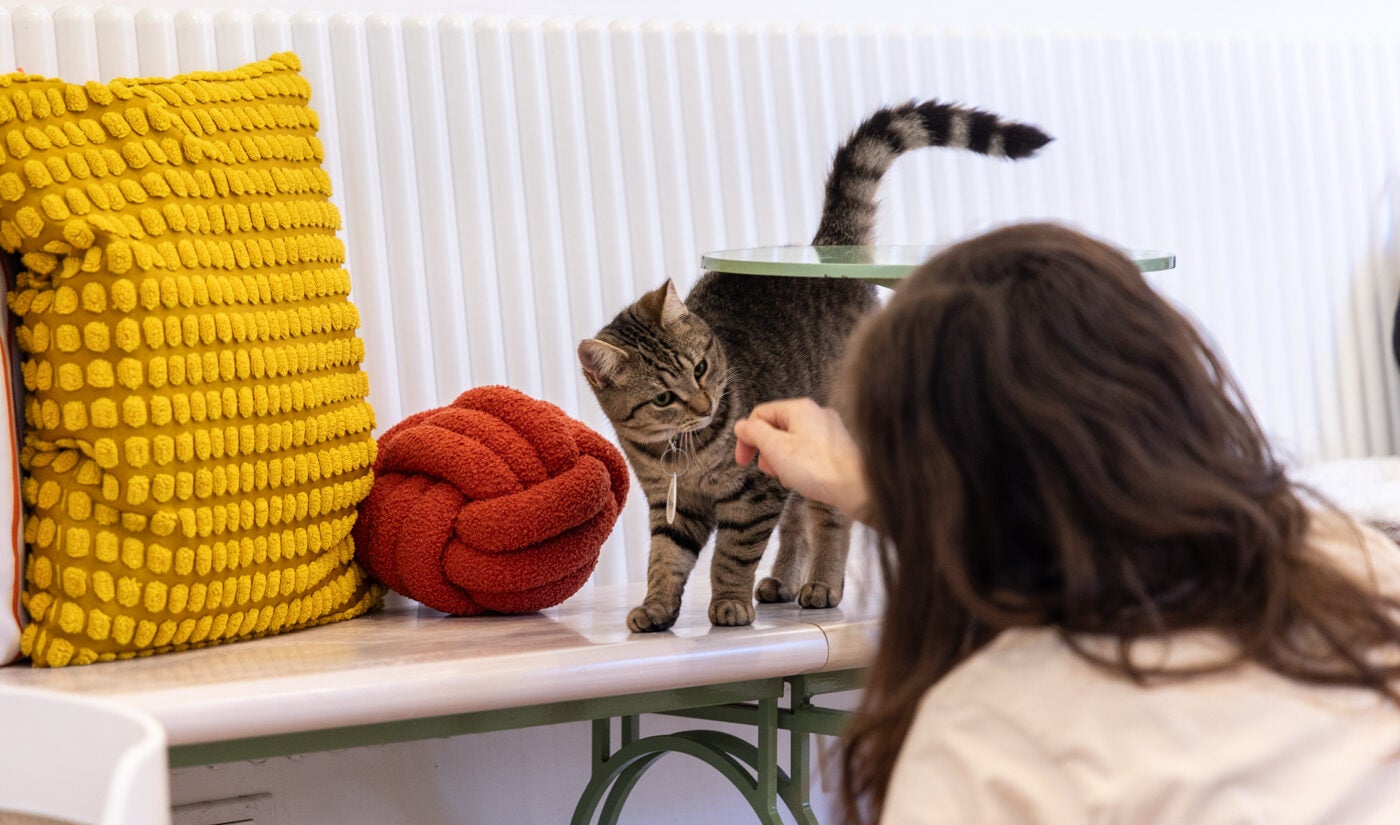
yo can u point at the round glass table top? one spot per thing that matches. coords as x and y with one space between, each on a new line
874 263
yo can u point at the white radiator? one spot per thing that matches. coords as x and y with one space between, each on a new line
509 184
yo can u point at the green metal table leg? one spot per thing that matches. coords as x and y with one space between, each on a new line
621 788
602 741
751 768
765 762
798 794
734 758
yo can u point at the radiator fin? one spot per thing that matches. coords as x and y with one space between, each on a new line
509 184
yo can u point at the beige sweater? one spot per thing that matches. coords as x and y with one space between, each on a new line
1028 732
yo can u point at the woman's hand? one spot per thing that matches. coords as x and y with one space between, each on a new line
807 448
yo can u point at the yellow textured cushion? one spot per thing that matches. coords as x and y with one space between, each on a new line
197 436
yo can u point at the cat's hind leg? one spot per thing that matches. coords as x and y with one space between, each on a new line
830 534
793 550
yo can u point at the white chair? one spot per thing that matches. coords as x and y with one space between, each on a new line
80 760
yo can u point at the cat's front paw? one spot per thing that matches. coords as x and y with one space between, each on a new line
651 617
772 591
731 612
818 595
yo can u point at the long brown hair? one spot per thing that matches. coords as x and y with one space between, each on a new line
1047 442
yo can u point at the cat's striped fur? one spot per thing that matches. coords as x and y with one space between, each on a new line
666 368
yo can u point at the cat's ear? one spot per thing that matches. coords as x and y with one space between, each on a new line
602 362
664 304
672 308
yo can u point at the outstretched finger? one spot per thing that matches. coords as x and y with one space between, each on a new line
750 436
743 450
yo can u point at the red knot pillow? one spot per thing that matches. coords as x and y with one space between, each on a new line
498 502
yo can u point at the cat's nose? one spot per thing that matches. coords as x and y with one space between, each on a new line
700 403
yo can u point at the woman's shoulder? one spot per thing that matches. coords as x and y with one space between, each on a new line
1367 555
1029 716
1042 681
1062 674
1031 703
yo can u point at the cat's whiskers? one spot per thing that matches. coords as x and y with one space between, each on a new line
684 441
732 379
732 376
731 382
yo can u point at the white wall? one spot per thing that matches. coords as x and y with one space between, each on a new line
1074 14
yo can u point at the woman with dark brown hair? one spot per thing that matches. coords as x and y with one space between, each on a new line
1106 601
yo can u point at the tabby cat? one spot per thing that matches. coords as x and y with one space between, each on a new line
667 371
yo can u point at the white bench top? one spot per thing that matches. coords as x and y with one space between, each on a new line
409 662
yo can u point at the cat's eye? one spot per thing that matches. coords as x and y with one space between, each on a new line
700 368
664 398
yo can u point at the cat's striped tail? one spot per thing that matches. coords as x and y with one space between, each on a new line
848 215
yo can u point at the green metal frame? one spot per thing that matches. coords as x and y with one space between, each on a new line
750 767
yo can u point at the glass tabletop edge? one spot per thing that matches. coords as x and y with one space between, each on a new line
750 261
